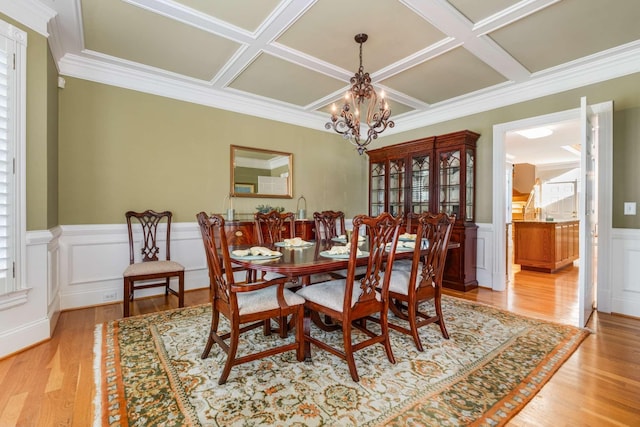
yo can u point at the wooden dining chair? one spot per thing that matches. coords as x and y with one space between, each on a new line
423 282
274 226
252 303
329 224
409 225
350 301
150 267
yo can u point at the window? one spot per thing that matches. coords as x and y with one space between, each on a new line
12 142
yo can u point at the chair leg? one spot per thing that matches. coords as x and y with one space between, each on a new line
299 321
166 286
384 325
215 318
181 289
127 296
413 326
231 355
443 328
348 351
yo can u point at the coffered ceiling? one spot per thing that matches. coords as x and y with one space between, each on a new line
289 60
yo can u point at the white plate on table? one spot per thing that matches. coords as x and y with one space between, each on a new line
406 239
284 245
255 257
327 254
407 246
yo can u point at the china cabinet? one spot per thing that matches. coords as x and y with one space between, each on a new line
435 174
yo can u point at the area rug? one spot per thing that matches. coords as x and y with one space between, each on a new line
149 372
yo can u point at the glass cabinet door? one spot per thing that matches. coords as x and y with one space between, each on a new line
378 187
396 186
420 184
469 211
450 183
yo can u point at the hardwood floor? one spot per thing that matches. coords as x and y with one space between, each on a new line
51 384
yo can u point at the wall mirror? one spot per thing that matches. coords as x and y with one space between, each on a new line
257 172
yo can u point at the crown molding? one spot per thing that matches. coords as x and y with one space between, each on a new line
31 13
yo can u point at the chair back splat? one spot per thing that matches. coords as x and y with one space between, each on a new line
272 227
151 267
328 224
243 303
350 301
423 282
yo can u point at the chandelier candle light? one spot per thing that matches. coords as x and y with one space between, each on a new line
361 98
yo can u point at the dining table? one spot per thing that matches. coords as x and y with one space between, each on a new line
300 263
312 258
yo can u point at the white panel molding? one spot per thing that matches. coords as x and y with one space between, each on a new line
31 319
484 256
93 258
625 272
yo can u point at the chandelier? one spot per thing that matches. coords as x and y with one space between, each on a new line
361 101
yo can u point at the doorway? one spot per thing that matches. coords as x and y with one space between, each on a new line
604 112
544 164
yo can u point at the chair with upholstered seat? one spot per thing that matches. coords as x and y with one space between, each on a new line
350 301
150 267
423 282
274 226
329 224
252 303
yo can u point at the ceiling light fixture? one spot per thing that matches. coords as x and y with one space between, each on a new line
361 101
535 133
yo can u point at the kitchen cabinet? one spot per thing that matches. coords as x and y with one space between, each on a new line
544 245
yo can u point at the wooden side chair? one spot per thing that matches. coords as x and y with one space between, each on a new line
252 303
423 282
271 228
151 267
329 224
350 301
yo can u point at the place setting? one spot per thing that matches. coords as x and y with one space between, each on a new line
294 243
342 252
255 253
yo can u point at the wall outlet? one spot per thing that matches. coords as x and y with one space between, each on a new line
109 296
629 208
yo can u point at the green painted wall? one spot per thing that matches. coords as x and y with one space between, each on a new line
626 161
121 149
41 135
52 142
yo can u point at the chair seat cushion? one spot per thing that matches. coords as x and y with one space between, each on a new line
399 282
264 300
270 275
403 264
152 267
331 294
359 271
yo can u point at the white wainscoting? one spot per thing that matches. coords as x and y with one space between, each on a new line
484 256
28 315
625 273
93 258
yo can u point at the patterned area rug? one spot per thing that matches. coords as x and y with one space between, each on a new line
149 372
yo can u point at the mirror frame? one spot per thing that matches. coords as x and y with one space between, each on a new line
234 193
